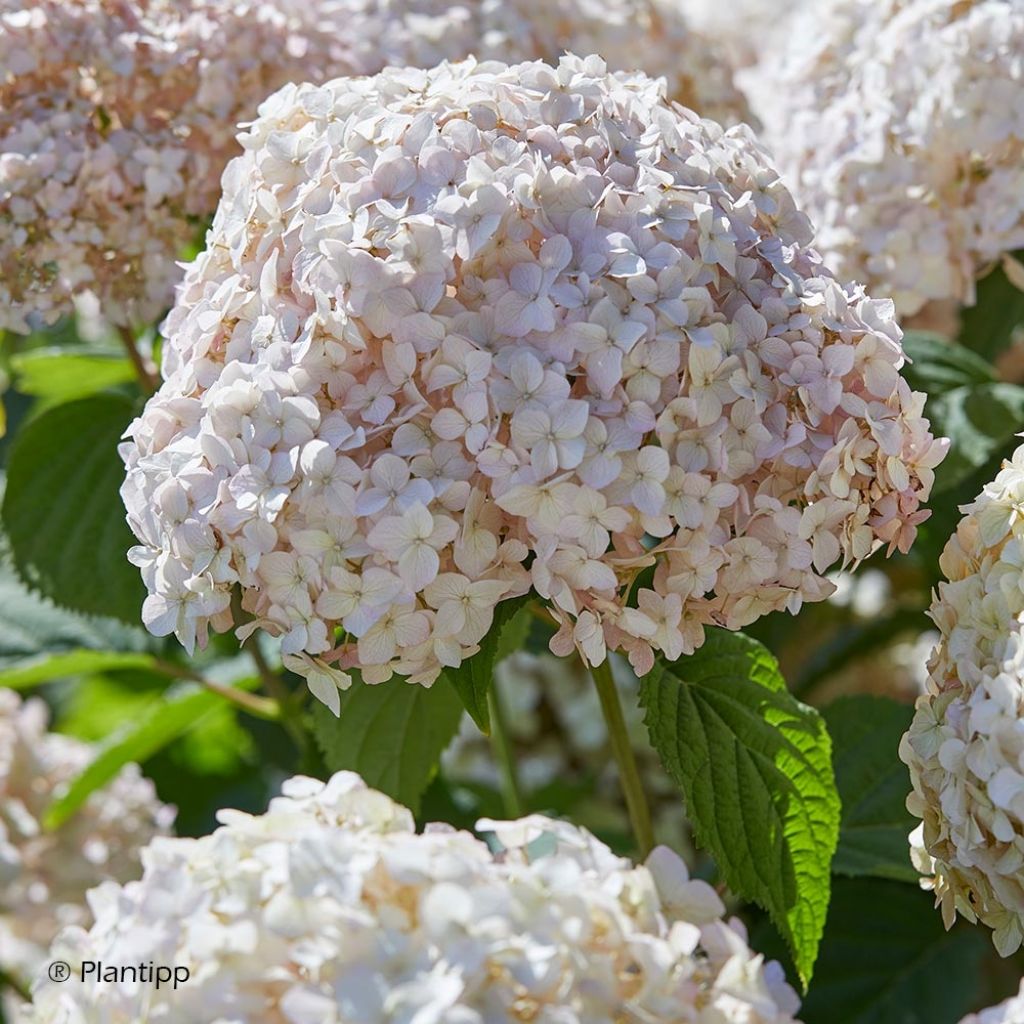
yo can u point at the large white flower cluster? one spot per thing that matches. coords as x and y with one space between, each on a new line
330 908
44 875
463 332
118 116
965 747
1010 1011
900 126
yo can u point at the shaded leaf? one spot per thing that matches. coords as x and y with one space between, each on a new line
62 509
989 325
886 959
755 767
939 365
873 785
981 422
473 679
392 734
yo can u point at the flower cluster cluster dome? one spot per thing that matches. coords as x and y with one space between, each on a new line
44 875
330 908
900 126
965 747
465 332
118 116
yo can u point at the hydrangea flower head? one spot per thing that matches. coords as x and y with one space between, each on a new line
899 124
465 332
330 908
965 747
44 875
118 116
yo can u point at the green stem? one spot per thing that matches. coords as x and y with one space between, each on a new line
147 380
622 749
510 791
275 686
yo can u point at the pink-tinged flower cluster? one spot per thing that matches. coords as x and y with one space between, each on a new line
965 746
463 332
900 126
329 908
118 116
44 875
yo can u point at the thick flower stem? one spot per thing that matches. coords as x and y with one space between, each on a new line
510 792
276 688
629 775
147 381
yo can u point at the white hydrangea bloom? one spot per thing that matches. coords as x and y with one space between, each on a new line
900 126
45 875
965 747
450 321
1010 1011
330 908
118 116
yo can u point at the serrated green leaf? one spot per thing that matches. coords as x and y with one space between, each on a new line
60 374
939 365
158 724
62 510
31 628
73 663
886 959
988 327
473 679
755 767
873 787
392 734
981 422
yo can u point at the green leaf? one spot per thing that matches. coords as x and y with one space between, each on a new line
62 510
755 767
981 422
988 327
60 374
886 959
73 663
873 787
473 679
31 628
392 734
158 724
939 365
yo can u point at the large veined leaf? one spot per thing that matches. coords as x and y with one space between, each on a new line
886 959
392 734
755 767
873 785
474 678
980 420
62 511
159 724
